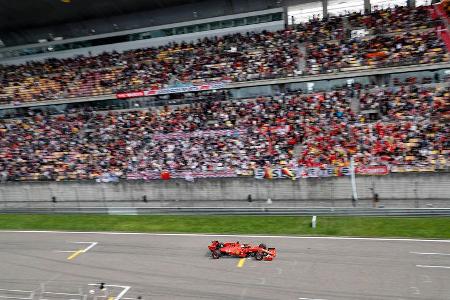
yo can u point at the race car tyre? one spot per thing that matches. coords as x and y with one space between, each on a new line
259 256
215 254
263 246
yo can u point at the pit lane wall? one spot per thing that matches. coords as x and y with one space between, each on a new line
413 190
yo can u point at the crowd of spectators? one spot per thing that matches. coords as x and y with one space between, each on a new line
313 130
236 57
375 51
406 124
394 19
330 28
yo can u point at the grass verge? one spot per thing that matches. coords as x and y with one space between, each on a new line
424 227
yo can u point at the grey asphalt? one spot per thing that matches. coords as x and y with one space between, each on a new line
177 267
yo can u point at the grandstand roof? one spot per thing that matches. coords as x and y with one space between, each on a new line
34 13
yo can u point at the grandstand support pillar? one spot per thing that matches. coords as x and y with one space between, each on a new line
283 89
325 8
367 6
352 178
285 16
412 3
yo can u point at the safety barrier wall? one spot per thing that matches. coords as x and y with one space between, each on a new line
394 190
329 211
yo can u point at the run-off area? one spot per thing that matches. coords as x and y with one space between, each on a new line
43 265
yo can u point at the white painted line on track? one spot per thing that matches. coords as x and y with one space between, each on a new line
125 290
430 253
301 298
230 235
16 294
64 294
20 291
436 267
75 253
92 244
415 290
121 294
82 242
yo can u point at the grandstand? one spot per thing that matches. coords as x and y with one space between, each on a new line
235 95
290 122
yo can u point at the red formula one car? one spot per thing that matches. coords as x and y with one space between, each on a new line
237 249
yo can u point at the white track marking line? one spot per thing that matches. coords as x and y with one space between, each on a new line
430 253
301 298
75 253
415 290
92 245
121 294
20 291
64 294
82 242
437 267
125 290
229 235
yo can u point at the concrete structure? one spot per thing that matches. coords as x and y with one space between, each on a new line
395 190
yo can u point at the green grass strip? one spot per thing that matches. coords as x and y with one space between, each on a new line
423 227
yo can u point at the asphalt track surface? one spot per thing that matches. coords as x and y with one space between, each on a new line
177 267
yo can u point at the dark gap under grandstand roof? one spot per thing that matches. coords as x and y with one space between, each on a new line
19 14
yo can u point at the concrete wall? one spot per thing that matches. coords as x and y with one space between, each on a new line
395 190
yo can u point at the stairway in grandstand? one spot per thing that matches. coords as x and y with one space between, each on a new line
302 59
346 25
297 150
355 105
